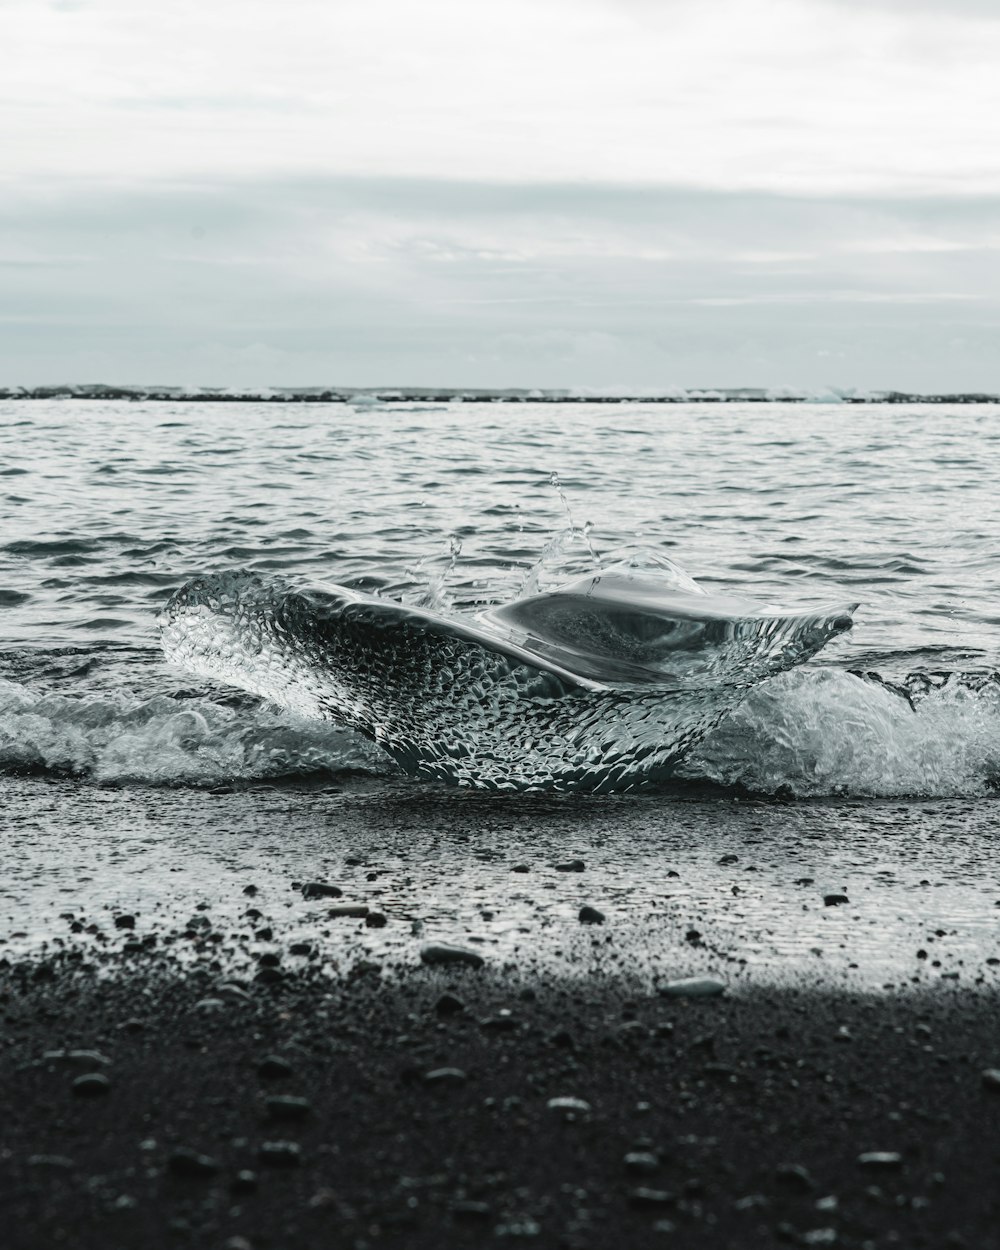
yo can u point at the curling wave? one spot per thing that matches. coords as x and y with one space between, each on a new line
607 682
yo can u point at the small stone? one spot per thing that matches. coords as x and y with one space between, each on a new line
521 868
77 1058
991 1079
569 1107
244 1182
445 1076
124 922
91 1085
376 920
571 865
469 1209
189 1163
794 1176
643 1197
449 1005
237 1243
499 1024
348 911
320 889
273 1067
834 900
445 953
590 915
250 890
729 859
269 959
287 1107
270 976
209 1005
641 1161
693 987
886 1160
59 1162
280 1154
301 948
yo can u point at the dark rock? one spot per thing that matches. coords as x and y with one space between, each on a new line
273 1067
124 922
244 1182
643 1197
269 959
880 1160
449 1005
376 920
794 1176
189 1163
521 868
280 1154
445 1076
729 859
301 948
91 1085
445 953
834 900
991 1079
320 889
499 1024
590 915
270 976
348 911
571 865
643 1161
469 1209
250 890
287 1107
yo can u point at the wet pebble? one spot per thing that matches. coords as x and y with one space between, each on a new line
568 1107
571 865
91 1085
692 987
348 911
273 1067
641 1161
834 900
190 1163
376 920
321 889
280 1154
449 1005
643 1197
445 1076
590 915
880 1160
445 953
991 1079
124 922
77 1058
794 1176
287 1107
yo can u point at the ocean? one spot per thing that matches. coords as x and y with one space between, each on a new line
866 767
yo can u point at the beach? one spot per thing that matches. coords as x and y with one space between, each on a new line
208 1042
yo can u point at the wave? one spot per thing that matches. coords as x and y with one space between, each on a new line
604 683
166 740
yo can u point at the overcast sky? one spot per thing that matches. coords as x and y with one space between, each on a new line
608 193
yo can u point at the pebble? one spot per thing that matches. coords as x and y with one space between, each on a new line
794 1176
520 868
62 1162
571 865
590 915
124 922
320 889
244 1181
834 900
287 1107
991 1079
641 1161
569 1106
280 1154
209 1005
880 1159
272 1067
643 1197
91 1085
693 987
186 1162
376 920
358 910
445 953
449 1005
469 1209
445 1076
77 1058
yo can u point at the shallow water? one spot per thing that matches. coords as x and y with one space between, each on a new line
108 507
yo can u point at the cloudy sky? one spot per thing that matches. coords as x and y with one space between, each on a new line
605 193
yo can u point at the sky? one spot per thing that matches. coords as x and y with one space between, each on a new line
615 194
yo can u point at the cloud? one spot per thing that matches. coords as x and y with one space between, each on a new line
422 282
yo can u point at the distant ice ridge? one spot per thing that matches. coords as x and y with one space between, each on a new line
375 396
605 683
165 741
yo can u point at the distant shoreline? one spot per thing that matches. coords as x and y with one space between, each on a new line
509 395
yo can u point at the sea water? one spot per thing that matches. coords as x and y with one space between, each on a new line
467 512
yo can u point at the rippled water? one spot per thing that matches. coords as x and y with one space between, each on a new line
108 508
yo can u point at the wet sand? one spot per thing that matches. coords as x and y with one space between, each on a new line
167 936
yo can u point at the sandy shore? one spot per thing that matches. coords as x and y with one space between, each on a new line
173 1002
